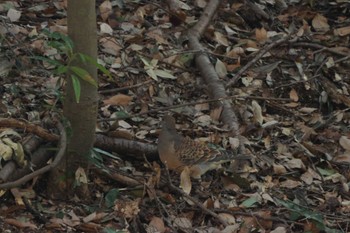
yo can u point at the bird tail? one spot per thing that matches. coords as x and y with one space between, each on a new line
226 156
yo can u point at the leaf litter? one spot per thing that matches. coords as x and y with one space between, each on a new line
298 177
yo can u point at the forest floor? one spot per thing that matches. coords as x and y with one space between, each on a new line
292 106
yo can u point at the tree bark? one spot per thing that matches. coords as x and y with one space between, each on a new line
81 116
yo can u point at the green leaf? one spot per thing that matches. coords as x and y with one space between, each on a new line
154 62
76 87
92 61
303 211
326 172
152 74
61 70
186 58
106 153
96 159
164 74
48 60
54 35
145 62
83 74
68 42
122 114
250 202
111 196
57 45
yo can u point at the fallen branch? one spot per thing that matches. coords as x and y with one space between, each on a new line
62 149
209 75
128 147
8 171
29 127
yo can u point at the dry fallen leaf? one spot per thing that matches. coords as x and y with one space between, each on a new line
20 224
183 223
14 15
320 23
106 29
343 158
185 183
279 230
345 142
230 219
220 69
293 95
295 163
216 113
261 35
257 112
221 39
279 169
157 224
291 184
105 9
344 31
118 100
110 45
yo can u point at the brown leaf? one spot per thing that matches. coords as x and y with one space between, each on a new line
279 169
343 158
118 100
20 224
320 23
345 142
14 15
220 68
291 184
279 230
216 113
221 39
186 183
257 112
294 95
105 10
110 45
344 31
157 224
261 35
183 223
230 219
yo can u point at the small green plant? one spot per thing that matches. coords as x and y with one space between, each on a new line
64 65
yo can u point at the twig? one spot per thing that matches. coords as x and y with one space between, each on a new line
309 155
320 47
29 127
342 59
62 149
37 215
194 103
256 58
297 82
165 63
275 219
114 90
195 201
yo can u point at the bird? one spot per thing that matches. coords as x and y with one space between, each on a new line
178 152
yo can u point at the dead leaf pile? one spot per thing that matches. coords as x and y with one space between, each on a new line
292 99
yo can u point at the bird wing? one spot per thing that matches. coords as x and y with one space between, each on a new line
191 152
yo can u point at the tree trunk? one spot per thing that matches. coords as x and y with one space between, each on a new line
82 116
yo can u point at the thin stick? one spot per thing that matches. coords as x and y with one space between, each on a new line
194 103
195 201
255 59
114 90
